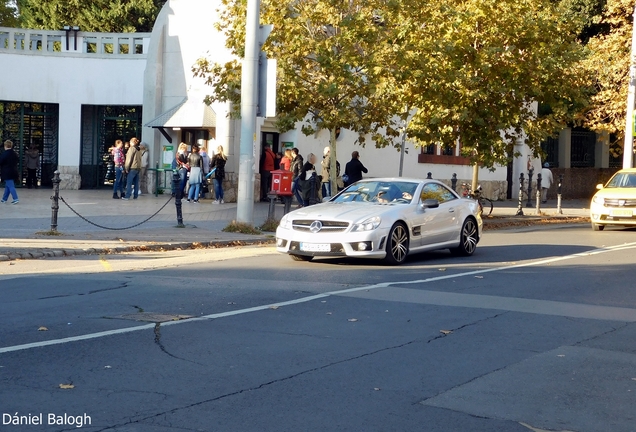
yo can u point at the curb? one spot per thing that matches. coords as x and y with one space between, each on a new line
158 247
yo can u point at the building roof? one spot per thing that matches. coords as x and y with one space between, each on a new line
187 114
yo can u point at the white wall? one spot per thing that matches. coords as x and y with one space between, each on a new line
71 81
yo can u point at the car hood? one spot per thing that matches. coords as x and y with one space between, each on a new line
351 212
617 193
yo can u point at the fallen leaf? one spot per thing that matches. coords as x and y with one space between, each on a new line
561 355
323 301
442 269
479 277
445 332
274 307
352 319
376 388
67 386
633 379
108 367
329 313
43 329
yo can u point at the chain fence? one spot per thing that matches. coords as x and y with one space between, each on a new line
112 228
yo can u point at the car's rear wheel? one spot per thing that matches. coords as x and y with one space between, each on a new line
597 227
468 238
397 245
301 257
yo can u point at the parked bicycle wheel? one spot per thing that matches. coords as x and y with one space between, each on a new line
485 205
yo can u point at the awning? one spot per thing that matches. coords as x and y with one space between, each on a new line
187 114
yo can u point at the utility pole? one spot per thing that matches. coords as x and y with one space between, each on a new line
628 147
249 100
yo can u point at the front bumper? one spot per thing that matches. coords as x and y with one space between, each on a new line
367 244
606 215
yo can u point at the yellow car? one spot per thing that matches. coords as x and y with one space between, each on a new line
615 203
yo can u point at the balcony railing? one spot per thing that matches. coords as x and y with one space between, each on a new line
72 42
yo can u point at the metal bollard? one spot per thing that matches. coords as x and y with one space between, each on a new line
288 202
530 172
429 176
559 209
176 179
55 205
271 213
520 206
454 182
539 193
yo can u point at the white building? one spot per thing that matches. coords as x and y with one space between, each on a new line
72 94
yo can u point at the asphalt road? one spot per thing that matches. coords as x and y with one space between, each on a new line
534 332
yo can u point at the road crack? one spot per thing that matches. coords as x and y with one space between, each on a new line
293 376
157 332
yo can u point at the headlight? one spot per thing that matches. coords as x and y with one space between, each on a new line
367 225
285 223
598 200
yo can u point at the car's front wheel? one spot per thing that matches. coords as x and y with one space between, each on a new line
468 238
597 227
397 245
301 257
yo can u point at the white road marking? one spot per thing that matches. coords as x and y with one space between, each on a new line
315 297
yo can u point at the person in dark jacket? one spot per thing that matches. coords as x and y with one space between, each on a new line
218 165
354 169
308 181
296 168
9 172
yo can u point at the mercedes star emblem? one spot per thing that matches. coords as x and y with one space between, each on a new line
315 226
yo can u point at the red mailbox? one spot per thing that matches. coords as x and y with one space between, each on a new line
282 182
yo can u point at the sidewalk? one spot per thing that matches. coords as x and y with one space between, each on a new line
24 225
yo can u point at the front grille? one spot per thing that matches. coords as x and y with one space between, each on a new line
614 202
327 226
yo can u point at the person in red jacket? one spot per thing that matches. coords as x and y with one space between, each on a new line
267 166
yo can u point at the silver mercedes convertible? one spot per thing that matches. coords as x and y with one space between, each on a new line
383 218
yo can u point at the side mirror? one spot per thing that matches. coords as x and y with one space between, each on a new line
599 186
429 203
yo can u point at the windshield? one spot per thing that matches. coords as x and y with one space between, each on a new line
378 192
622 180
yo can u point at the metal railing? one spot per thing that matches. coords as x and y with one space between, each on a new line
72 42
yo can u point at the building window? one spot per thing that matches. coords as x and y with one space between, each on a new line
583 147
550 148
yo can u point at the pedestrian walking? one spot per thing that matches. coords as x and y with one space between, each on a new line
9 172
132 168
296 168
546 181
119 162
32 162
218 165
195 161
353 170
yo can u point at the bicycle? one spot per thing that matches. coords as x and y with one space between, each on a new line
485 204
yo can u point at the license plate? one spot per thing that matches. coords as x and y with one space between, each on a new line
622 213
315 247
